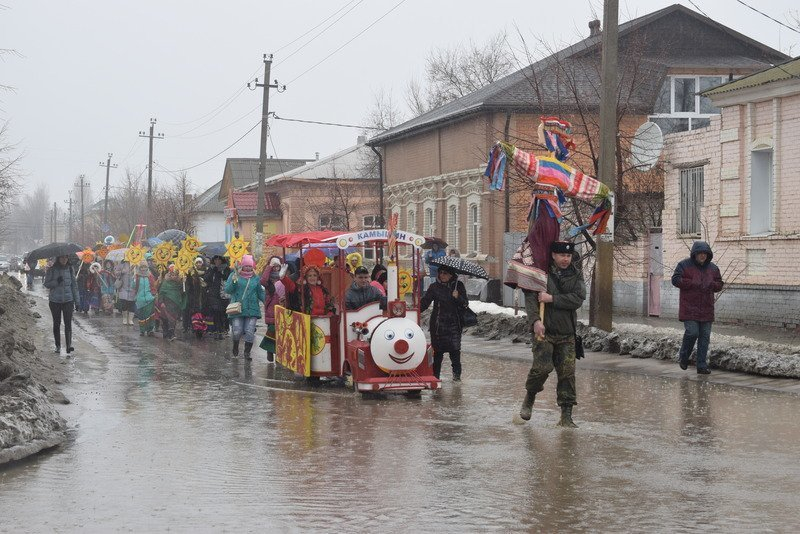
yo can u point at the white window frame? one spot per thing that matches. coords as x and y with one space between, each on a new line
473 227
369 226
686 114
452 226
691 195
429 224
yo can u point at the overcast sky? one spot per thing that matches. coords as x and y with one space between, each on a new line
89 73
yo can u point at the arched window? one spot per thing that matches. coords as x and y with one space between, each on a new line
411 221
452 226
473 228
428 222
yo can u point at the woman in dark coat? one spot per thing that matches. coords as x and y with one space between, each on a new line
60 280
449 298
215 278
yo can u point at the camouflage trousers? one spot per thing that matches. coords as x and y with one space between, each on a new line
554 352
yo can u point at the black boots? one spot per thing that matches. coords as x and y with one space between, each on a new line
527 406
247 348
270 357
566 417
235 349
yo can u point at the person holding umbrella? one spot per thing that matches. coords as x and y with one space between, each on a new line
434 252
63 299
449 298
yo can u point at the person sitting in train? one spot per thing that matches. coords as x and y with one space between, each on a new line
307 294
361 292
377 283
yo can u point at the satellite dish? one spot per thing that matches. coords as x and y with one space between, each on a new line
646 147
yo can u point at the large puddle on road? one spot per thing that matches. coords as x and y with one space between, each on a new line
174 436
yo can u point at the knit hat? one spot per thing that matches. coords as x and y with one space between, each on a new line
275 261
248 261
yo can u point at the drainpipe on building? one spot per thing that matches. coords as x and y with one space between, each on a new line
380 184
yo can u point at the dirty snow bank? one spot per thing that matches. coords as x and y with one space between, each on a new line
29 421
732 353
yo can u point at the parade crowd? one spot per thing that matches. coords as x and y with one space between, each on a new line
217 301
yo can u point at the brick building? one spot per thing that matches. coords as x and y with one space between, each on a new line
736 184
433 163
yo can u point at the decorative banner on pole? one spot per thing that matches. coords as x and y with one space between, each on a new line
293 340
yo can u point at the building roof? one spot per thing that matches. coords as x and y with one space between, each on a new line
785 71
345 164
721 46
245 170
208 201
245 203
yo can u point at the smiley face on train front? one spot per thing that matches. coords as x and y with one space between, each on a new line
398 344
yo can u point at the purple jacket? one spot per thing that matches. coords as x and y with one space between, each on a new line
270 301
697 283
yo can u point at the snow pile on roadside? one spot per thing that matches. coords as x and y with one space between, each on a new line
733 353
493 309
29 422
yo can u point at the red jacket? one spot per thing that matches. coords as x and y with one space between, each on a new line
319 299
697 283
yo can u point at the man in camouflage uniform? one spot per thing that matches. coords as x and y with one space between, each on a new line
554 335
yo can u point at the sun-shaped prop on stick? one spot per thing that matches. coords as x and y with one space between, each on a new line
237 248
191 243
135 254
184 263
163 254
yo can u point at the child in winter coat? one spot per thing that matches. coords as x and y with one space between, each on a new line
145 299
244 287
275 294
171 302
107 291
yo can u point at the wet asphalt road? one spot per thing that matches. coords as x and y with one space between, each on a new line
174 436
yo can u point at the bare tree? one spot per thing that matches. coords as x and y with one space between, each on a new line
9 176
451 73
337 206
128 203
29 217
174 206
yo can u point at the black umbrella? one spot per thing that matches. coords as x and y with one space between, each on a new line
461 266
53 250
176 236
214 249
430 241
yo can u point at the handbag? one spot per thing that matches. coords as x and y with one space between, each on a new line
235 308
468 317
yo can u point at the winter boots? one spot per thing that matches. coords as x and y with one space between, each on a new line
566 417
235 351
270 357
127 318
247 348
527 406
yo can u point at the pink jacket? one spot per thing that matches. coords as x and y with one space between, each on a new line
271 301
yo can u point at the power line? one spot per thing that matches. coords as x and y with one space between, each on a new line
329 26
315 65
220 129
329 123
698 9
218 153
315 27
770 18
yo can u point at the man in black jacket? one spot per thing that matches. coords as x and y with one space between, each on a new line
554 343
361 292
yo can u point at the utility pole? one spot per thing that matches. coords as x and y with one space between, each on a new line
151 136
108 167
262 164
69 217
83 184
603 286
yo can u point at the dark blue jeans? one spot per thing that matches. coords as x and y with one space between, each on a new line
699 331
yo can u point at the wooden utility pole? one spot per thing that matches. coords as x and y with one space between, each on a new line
108 167
69 217
262 163
83 184
150 136
603 286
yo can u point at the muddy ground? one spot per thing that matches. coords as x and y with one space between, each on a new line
732 353
29 377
